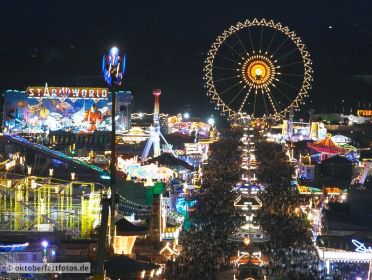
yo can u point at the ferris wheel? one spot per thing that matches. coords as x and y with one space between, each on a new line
258 69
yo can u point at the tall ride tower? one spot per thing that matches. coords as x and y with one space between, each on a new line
155 134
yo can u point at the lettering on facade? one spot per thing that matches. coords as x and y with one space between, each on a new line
50 92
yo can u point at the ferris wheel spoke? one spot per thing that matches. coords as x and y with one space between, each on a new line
271 41
290 74
283 93
272 100
287 53
230 88
280 46
230 47
240 42
225 68
250 38
227 58
225 79
289 85
263 97
276 102
233 99
254 104
235 44
261 38
245 99
290 64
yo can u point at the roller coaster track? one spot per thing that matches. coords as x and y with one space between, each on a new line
16 139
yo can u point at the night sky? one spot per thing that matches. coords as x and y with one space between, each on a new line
166 43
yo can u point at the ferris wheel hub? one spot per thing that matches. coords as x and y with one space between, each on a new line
258 71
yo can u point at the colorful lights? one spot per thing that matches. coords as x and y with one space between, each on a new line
183 205
251 80
113 66
68 109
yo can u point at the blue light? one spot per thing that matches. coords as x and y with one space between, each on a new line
113 66
182 205
105 177
45 244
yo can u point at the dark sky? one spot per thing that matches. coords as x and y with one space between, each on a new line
166 43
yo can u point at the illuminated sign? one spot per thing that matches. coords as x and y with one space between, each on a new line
332 190
364 113
68 109
67 92
360 247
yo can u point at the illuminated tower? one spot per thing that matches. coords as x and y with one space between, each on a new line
155 134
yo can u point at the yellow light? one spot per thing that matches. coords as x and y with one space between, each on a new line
124 244
258 72
309 216
247 241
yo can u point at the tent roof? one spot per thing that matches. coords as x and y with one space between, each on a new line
326 145
169 160
126 228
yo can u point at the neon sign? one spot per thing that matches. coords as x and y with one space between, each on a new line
364 113
360 247
67 92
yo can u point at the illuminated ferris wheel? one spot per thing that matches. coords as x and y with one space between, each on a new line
258 69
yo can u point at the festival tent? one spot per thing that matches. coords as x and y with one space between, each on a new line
327 146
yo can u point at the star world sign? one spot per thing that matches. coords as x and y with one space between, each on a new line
50 92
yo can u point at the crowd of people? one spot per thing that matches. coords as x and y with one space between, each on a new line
298 261
291 252
350 271
206 249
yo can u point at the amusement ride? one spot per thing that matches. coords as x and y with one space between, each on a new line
258 69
